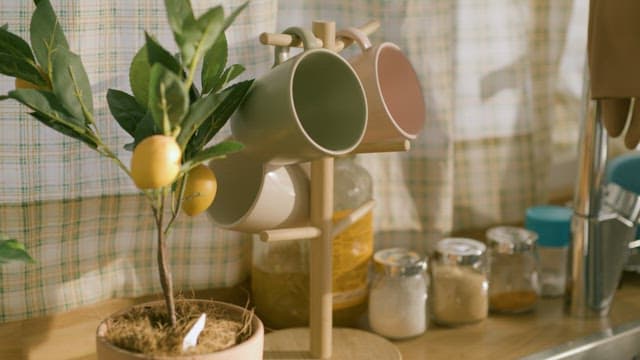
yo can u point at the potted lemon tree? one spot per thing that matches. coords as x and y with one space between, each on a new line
171 120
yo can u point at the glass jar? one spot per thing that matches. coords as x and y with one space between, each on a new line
280 282
553 225
280 272
513 283
459 284
398 294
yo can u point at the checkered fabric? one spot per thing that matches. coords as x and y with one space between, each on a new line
500 79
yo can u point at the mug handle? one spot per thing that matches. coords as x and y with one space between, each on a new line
356 35
308 40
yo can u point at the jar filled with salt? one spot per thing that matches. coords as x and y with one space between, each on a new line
398 294
459 283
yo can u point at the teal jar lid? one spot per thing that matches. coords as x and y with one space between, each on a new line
551 223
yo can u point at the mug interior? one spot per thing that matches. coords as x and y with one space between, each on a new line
400 90
329 101
239 183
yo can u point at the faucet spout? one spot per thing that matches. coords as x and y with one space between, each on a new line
602 225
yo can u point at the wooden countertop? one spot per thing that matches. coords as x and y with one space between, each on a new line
514 336
71 335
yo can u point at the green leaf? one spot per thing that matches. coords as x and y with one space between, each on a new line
46 34
168 99
180 14
139 76
20 67
215 151
146 127
12 250
71 84
199 111
211 24
125 109
157 54
64 129
228 75
187 41
236 95
213 64
15 45
184 27
5 27
46 103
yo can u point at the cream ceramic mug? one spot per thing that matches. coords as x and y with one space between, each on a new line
394 96
253 196
306 107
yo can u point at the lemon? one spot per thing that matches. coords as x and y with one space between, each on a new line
155 162
199 191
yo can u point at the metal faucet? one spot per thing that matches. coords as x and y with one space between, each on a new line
603 223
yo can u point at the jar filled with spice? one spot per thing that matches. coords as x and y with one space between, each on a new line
459 284
513 284
398 294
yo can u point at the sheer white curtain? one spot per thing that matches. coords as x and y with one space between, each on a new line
502 83
501 80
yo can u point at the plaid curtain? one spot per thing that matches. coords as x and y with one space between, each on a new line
501 80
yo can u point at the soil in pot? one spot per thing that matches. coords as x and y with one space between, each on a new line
146 329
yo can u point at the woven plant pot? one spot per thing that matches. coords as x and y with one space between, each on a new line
250 349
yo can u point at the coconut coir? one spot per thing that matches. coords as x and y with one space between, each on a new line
147 330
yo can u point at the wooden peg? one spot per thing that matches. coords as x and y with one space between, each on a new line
339 43
383 146
306 232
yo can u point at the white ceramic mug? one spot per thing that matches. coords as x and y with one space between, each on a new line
394 96
306 107
253 196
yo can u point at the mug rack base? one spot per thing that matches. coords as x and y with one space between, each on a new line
348 344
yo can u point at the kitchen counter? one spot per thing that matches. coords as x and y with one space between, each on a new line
70 335
514 336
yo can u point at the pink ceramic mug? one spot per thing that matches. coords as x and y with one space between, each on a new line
394 97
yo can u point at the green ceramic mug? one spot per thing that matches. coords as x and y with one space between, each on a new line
306 107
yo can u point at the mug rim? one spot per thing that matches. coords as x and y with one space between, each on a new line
232 225
297 60
249 221
376 67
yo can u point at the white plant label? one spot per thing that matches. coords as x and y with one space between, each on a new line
191 339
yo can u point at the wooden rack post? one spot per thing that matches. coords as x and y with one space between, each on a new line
355 344
321 212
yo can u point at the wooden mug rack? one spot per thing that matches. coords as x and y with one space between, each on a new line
316 342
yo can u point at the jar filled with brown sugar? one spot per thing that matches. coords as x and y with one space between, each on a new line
459 282
513 280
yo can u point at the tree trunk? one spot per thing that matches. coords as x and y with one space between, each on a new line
163 268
